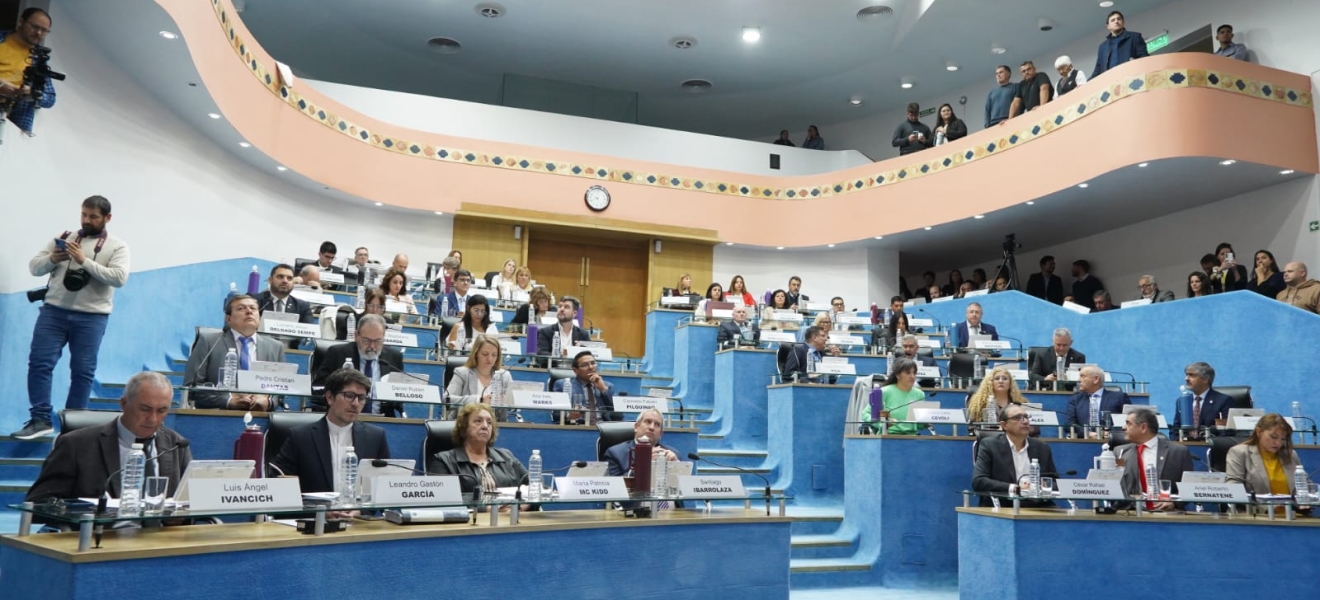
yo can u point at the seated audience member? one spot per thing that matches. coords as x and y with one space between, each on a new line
1000 98
276 298
913 136
893 331
1102 302
1145 447
504 279
935 292
1150 290
955 282
682 288
588 392
457 297
1003 462
361 264
826 324
1208 404
738 331
537 307
1046 285
81 461
520 289
948 127
309 277
900 391
783 139
1091 393
738 292
474 457
1034 91
978 278
796 299
373 303
304 455
963 331
1085 285
649 424
1266 279
395 287
206 358
966 286
778 301
476 321
569 333
997 387
361 258
895 307
325 257
714 293
1210 265
458 256
1119 46
444 280
836 304
1266 461
1042 367
472 381
1231 275
912 350
797 366
1299 291
368 354
1069 78
400 263
1227 48
927 280
1198 284
813 141
1001 283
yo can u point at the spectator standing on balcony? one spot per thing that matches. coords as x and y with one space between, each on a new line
948 126
1119 46
1267 279
1033 91
1228 49
1000 98
913 136
813 141
1230 275
978 279
1084 284
1301 292
1069 78
784 141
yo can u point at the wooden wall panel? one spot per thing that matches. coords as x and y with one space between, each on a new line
487 244
675 259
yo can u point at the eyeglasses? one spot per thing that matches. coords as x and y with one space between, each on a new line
38 29
353 397
586 365
371 341
1020 418
373 307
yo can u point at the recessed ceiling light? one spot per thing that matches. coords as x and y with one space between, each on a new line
905 85
1227 162
244 145
1106 4
779 248
380 204
281 168
997 49
213 115
1143 165
951 67
979 217
438 213
879 237
1031 202
1083 185
831 245
855 101
728 243
751 34
928 228
1287 172
169 35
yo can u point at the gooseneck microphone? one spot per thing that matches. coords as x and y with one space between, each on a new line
938 325
695 456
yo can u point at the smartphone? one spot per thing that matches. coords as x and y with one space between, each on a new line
1228 256
61 245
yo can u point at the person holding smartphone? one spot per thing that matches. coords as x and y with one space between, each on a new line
1231 275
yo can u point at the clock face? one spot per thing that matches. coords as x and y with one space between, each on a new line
598 198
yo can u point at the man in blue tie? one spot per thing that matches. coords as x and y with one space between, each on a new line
369 355
804 356
206 359
1092 404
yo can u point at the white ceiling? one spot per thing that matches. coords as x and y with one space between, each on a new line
813 55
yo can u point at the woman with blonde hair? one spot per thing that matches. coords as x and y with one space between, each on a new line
999 387
1266 461
482 379
502 280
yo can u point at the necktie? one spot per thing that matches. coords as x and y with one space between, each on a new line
1196 417
244 363
591 403
147 449
368 369
1141 467
279 306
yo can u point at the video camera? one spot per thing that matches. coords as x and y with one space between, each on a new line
39 72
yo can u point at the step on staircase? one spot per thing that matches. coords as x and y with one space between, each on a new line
20 463
822 553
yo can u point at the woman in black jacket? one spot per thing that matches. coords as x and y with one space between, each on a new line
948 124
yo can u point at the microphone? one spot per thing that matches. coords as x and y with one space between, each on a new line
1021 355
527 477
695 456
938 324
1056 475
105 495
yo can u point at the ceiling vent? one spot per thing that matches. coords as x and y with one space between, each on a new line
874 13
696 86
444 45
683 42
490 10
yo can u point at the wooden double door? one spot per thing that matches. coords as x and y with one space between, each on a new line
609 278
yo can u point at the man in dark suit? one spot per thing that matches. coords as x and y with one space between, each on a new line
206 358
81 461
370 356
1046 285
276 298
912 350
313 452
570 334
1207 404
588 392
457 298
1091 388
1041 369
1084 284
797 365
738 331
1120 45
963 331
1171 459
649 424
794 296
1003 462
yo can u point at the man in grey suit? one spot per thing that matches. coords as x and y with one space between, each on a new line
1151 290
207 356
81 461
1145 447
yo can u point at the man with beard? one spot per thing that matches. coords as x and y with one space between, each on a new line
83 268
276 298
368 354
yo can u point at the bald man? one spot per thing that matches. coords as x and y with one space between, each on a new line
400 262
1300 292
1091 392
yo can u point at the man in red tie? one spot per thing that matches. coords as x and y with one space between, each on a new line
1145 448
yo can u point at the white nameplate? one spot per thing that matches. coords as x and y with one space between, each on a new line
1213 492
270 366
393 391
314 297
928 372
508 347
976 293
399 338
721 313
293 328
923 342
1043 418
1090 489
782 337
819 306
921 322
1117 420
1247 423
636 404
601 353
496 316
1135 303
279 316
331 277
408 491
942 299
1203 477
244 494
549 319
854 320
1019 374
397 306
1115 474
1077 308
591 488
787 315
937 415
479 283
992 345
292 384
711 486
541 399
659 393
832 368
672 300
840 339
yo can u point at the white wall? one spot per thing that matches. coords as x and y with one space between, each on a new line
177 198
824 274
580 134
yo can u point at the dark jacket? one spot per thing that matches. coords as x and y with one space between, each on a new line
1214 405
1042 365
957 129
960 338
1079 408
503 466
390 361
81 461
303 308
1116 50
905 129
1049 291
545 338
1083 291
994 470
1174 460
306 454
729 332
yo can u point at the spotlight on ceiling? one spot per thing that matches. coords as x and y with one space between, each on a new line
751 35
1228 162
997 49
169 35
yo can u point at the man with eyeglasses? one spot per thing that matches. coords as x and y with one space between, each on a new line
369 355
303 453
588 391
458 296
1003 462
1151 290
207 357
15 54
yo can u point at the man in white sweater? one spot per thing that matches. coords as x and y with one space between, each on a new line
84 267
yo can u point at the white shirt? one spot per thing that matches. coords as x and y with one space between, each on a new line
1021 461
126 441
340 438
251 349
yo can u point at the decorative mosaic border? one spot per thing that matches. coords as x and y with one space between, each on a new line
1069 110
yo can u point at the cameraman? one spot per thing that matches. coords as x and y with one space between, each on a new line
15 56
84 268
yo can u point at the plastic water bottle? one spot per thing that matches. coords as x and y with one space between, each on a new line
1302 482
229 373
1296 411
1059 368
659 475
348 364
978 366
348 479
557 346
444 305
233 288
992 411
496 389
811 361
1095 414
352 325
130 482
534 476
1152 483
361 301
1034 492
254 281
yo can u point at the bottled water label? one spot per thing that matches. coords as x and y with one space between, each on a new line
348 479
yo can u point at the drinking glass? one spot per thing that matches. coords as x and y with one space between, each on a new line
547 485
154 491
1046 486
1166 489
